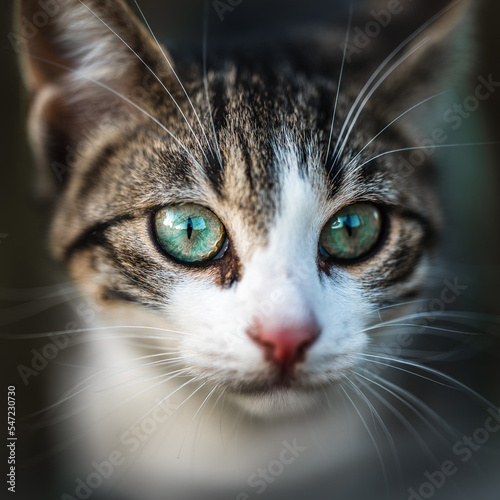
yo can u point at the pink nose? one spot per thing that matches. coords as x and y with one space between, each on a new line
286 346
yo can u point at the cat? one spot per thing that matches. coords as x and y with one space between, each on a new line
241 221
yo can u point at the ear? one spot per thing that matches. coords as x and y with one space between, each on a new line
80 69
433 50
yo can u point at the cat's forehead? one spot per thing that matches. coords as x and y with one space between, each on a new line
253 150
259 130
242 143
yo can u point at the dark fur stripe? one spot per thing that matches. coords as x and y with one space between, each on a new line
93 236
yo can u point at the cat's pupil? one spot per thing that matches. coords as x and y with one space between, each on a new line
348 226
350 222
189 232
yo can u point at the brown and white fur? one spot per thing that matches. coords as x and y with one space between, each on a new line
254 142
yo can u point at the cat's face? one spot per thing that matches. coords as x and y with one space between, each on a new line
311 244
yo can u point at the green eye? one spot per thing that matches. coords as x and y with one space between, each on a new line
351 232
190 233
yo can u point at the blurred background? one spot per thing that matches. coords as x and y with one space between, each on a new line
32 285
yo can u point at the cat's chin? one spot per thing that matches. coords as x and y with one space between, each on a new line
279 401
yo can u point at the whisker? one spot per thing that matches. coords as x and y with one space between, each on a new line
310 430
194 379
426 355
162 362
73 395
13 336
222 393
154 356
384 427
348 32
372 438
414 325
492 318
56 449
411 429
418 438
386 61
174 72
36 293
384 382
327 397
152 72
396 65
22 311
205 83
402 400
393 306
121 96
161 442
220 421
142 345
363 357
193 419
439 374
394 121
459 145
198 433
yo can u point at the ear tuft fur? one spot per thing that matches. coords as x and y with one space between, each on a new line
79 59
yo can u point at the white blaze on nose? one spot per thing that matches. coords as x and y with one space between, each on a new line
281 289
284 310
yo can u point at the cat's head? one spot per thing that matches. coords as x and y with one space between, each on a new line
261 236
